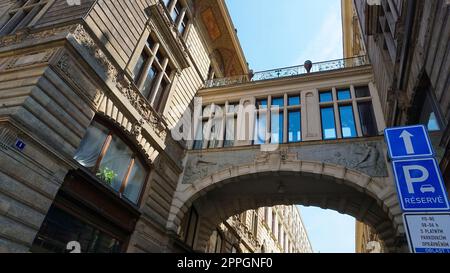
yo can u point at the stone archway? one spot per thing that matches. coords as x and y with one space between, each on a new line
280 179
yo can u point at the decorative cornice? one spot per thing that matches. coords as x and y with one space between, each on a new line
26 34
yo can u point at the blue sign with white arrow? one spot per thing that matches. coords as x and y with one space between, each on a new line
408 142
420 185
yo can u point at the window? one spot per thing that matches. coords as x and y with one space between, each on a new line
356 114
294 121
255 224
176 11
216 133
260 128
191 228
261 104
198 142
230 125
183 25
60 227
328 123
293 100
112 160
22 15
429 115
153 74
326 96
277 120
278 102
347 121
367 117
344 94
178 14
362 92
344 113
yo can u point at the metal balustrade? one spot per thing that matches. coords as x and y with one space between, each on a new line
289 72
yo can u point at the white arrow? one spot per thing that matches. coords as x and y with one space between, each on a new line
408 143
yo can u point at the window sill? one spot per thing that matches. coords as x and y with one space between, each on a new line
83 175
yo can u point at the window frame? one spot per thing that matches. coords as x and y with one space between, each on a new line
353 101
182 15
165 70
285 111
35 11
190 223
113 131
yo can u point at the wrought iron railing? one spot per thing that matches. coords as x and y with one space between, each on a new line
289 71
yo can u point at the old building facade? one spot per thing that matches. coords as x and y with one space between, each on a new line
407 42
137 126
90 92
278 229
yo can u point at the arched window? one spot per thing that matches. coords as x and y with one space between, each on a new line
112 160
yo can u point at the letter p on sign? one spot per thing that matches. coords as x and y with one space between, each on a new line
409 170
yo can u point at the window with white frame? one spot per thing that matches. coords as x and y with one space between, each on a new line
344 113
22 14
347 113
153 73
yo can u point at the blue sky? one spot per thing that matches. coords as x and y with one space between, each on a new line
287 33
281 33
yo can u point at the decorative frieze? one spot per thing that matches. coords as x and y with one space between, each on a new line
27 35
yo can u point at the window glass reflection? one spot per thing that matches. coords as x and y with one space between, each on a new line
261 104
428 115
278 102
294 100
326 96
347 121
91 145
260 130
328 124
277 127
135 183
344 94
117 156
294 126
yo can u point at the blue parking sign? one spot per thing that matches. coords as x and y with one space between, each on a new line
408 142
420 185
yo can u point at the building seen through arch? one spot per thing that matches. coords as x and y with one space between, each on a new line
138 126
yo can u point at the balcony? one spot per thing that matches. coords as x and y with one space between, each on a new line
292 71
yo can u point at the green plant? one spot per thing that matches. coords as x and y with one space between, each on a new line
107 175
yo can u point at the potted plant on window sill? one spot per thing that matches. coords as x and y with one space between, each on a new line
106 175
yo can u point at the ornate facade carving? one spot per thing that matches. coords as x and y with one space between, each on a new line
26 35
123 84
